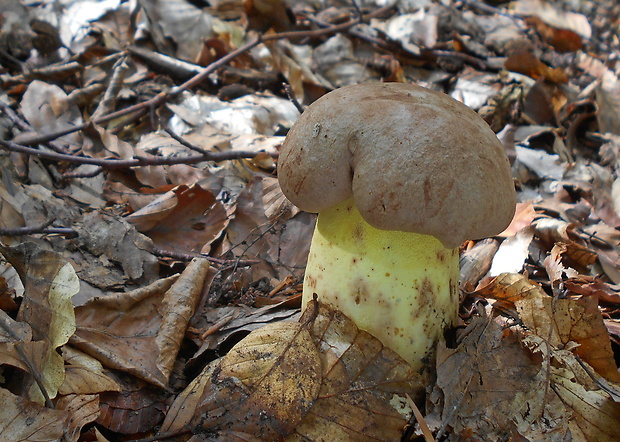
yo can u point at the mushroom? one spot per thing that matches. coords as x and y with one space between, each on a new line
400 176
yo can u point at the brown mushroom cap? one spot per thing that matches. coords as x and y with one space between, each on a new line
413 159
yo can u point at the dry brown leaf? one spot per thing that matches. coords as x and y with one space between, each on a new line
319 376
138 408
563 40
552 15
559 321
556 269
11 214
82 409
593 286
24 421
110 241
263 387
281 241
588 401
185 219
476 262
85 374
221 323
526 63
140 332
501 382
524 216
364 388
48 109
562 321
49 284
490 384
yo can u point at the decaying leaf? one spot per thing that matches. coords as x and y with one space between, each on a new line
268 227
136 409
499 384
559 321
185 219
263 387
48 108
364 388
486 382
302 380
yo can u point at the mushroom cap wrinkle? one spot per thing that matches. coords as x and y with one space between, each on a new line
412 159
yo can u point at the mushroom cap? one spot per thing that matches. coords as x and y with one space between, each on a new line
412 159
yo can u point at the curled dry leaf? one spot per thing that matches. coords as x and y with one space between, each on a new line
140 332
83 409
302 381
49 282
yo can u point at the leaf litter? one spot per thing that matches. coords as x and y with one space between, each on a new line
152 266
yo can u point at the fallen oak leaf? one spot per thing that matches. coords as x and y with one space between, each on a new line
365 385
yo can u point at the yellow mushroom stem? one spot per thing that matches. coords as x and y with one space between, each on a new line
401 287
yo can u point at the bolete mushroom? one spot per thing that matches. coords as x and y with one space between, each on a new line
400 176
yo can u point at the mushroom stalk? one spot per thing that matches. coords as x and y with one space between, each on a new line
401 287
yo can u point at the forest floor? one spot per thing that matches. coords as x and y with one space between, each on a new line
144 232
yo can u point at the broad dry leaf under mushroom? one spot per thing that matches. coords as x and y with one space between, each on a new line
302 380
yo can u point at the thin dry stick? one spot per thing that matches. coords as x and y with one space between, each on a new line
426 432
125 164
66 231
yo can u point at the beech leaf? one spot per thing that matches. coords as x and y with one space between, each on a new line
303 380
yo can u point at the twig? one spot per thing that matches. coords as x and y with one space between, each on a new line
292 98
72 175
136 162
186 143
189 256
24 126
108 102
66 231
